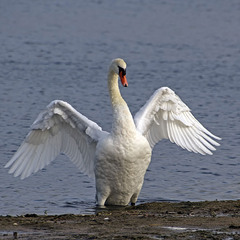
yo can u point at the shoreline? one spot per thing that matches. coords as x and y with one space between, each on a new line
156 220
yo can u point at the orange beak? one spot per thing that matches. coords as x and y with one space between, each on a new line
123 79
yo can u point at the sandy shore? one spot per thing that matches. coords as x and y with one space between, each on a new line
158 220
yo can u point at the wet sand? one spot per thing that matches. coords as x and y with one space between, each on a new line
157 220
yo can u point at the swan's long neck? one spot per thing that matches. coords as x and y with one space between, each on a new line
122 117
114 92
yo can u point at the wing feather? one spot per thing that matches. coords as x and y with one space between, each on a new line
58 129
166 116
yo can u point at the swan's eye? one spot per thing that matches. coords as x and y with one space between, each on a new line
121 70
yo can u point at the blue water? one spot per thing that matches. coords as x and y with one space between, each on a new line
61 50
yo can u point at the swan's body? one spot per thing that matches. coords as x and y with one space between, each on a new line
119 159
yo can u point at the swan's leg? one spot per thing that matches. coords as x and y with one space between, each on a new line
134 199
102 190
100 199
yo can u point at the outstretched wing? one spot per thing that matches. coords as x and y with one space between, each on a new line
58 129
165 116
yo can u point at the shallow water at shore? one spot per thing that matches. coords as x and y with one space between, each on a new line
61 50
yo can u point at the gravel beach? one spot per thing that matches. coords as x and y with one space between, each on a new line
157 220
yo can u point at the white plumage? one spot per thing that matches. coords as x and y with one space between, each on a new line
165 116
118 159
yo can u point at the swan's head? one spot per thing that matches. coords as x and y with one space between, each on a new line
118 66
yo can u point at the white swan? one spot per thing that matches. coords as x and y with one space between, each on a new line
119 159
